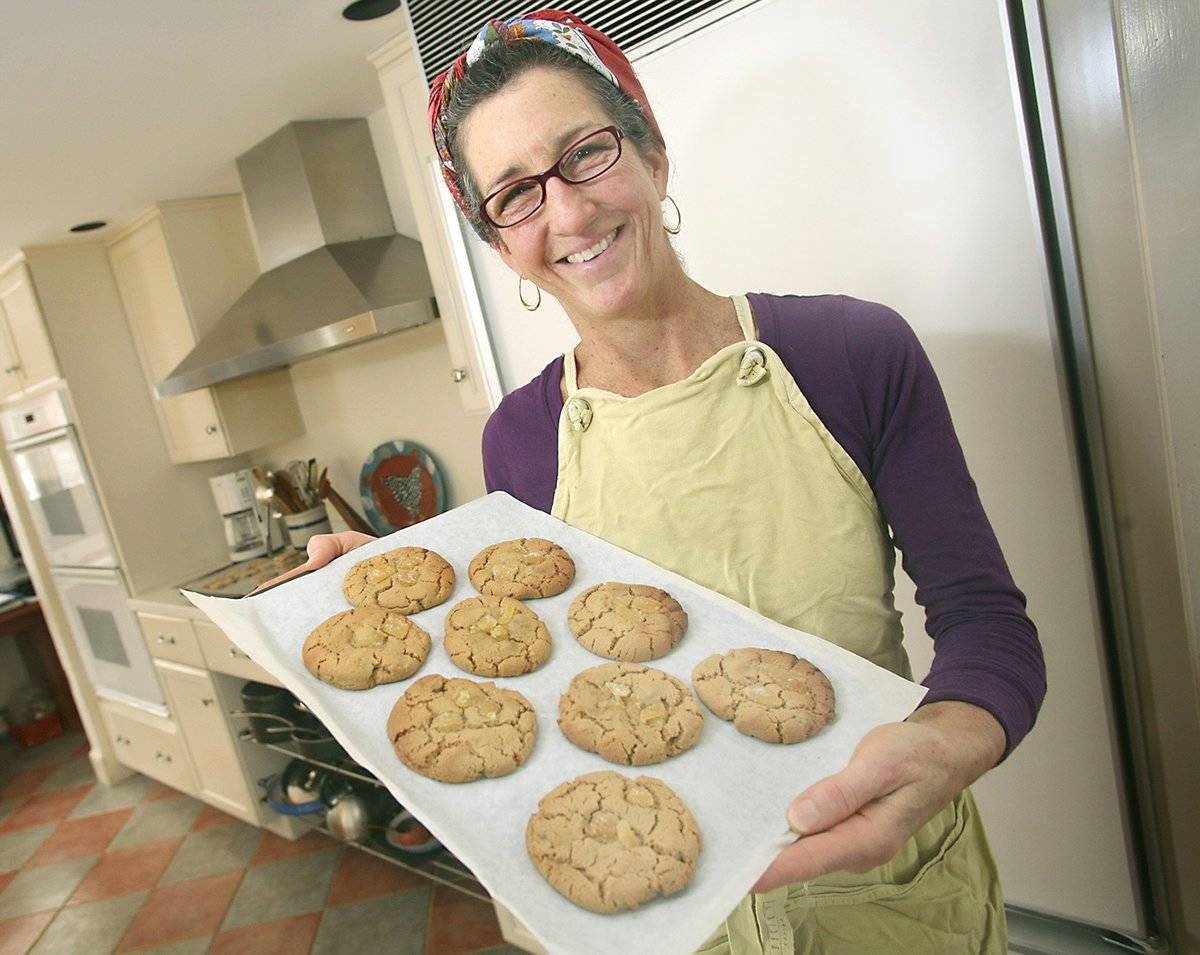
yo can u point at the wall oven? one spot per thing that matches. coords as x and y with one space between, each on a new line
69 520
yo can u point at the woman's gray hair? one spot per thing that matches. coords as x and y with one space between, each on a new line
499 65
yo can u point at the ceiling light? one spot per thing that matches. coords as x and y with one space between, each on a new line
89 226
369 9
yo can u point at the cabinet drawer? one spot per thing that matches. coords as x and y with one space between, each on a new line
222 656
171 638
149 744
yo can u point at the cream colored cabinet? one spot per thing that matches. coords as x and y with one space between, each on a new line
209 738
222 656
150 744
178 267
26 356
405 93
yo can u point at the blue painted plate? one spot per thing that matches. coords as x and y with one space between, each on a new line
400 484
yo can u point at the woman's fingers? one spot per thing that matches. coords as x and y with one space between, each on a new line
322 549
834 798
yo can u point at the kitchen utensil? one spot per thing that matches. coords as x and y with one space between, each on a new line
400 484
352 518
405 836
307 524
315 743
298 471
347 818
264 512
269 704
286 494
272 787
302 782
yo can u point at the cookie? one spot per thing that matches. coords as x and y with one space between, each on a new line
610 843
630 622
361 648
768 694
496 636
455 730
523 568
630 714
407 579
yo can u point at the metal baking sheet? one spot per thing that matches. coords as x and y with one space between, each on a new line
737 787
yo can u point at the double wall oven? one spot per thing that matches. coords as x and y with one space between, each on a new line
65 509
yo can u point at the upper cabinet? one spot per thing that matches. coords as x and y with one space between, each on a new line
179 266
26 358
473 368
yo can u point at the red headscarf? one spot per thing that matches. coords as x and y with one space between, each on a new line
564 30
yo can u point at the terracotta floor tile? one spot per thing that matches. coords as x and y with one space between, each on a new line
26 781
361 876
459 923
5 878
160 792
81 837
18 935
182 910
45 807
273 847
121 871
266 938
211 817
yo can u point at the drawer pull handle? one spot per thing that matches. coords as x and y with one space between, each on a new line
164 639
210 429
207 701
233 652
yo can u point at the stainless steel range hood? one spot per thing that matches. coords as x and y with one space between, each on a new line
334 270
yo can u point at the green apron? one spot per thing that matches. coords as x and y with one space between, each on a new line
729 478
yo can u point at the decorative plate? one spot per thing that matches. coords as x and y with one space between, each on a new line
400 484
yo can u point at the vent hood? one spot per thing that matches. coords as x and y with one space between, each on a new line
334 270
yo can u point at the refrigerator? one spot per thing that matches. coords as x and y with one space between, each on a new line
894 152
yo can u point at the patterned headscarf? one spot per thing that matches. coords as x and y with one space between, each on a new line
563 30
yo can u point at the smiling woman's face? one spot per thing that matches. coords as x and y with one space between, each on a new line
522 131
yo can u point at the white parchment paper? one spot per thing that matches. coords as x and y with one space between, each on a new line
737 787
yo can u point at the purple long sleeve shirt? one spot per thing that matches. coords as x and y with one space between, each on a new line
866 376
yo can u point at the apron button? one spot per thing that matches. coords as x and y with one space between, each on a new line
753 367
580 414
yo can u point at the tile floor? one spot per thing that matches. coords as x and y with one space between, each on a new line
138 867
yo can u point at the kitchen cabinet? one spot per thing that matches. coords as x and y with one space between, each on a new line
26 356
405 93
221 656
196 706
148 743
178 267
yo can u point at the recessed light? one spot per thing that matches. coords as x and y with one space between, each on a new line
369 9
89 226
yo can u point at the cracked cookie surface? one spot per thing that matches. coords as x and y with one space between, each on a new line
456 730
407 579
610 843
630 714
363 647
525 568
630 622
496 636
768 694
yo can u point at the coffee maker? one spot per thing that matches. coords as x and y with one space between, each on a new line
234 495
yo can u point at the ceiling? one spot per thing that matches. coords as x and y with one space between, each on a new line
110 105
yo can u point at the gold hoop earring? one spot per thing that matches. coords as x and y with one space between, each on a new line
674 230
521 294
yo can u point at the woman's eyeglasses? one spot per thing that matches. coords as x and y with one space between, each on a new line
584 159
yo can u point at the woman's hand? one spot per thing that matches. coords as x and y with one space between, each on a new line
900 776
321 550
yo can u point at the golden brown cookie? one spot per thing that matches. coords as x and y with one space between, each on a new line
455 730
630 622
363 647
496 636
630 714
611 843
524 568
768 694
407 579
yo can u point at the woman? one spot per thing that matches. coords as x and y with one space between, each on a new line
795 432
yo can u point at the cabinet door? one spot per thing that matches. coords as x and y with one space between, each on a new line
10 363
32 355
222 656
163 334
197 708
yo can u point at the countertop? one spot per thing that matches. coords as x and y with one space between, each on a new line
167 601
